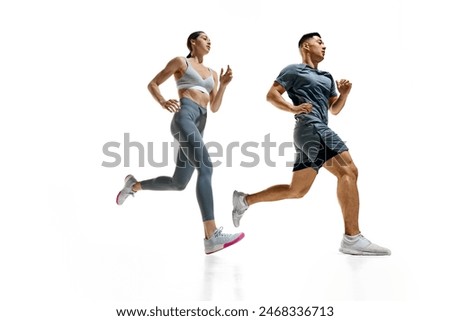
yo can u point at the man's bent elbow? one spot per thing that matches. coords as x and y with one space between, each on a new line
151 85
269 97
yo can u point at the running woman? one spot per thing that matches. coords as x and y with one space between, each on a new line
197 86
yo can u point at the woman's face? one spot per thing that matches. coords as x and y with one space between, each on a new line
202 44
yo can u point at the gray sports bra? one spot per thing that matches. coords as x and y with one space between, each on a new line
191 79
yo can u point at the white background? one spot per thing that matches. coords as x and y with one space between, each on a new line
73 77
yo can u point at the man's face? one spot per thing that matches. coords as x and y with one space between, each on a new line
316 48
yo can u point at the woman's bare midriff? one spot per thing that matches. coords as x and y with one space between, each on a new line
195 95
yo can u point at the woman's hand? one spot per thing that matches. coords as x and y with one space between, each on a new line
171 105
226 77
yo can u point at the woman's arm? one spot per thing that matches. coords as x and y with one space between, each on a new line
172 67
216 95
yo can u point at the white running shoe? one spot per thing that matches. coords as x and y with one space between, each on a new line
126 190
239 207
359 245
219 241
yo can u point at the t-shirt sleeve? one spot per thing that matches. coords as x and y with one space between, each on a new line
333 90
287 77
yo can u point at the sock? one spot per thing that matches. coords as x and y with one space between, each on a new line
352 238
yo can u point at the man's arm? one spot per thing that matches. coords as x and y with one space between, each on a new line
274 96
338 102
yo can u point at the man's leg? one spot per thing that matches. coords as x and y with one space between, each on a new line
300 185
344 169
353 242
302 181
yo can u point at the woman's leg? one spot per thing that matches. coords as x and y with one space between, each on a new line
187 128
178 182
191 144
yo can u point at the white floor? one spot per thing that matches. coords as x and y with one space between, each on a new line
91 260
74 78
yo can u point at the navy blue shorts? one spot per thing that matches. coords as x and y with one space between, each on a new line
310 147
302 160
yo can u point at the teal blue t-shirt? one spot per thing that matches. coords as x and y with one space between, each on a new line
305 84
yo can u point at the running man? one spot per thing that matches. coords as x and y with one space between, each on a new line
313 93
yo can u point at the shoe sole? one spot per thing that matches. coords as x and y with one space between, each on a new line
117 198
235 212
118 194
236 219
362 253
240 237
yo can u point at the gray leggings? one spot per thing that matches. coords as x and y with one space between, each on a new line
187 128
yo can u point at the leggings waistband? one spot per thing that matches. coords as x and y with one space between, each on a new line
189 102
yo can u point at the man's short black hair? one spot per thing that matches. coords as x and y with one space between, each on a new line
307 36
